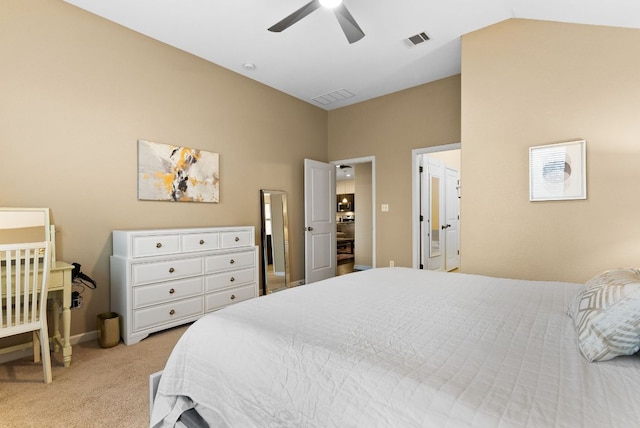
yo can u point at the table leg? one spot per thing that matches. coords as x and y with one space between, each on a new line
61 337
66 333
55 316
66 326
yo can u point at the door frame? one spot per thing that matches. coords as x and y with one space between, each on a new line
415 184
372 160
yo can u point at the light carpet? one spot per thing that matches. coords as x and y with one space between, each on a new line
101 388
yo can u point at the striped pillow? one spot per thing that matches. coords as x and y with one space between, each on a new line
606 315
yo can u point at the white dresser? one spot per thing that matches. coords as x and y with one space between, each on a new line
166 277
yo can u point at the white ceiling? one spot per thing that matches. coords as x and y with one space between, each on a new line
313 58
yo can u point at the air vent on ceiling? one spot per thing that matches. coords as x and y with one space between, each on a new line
417 39
333 97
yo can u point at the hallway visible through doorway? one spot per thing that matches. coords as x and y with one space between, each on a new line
355 214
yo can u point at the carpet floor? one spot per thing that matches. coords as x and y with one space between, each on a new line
101 388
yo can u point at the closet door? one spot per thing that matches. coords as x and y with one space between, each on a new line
452 213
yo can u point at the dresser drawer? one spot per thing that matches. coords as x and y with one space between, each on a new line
147 295
200 241
236 238
229 261
232 278
155 245
227 297
166 313
145 273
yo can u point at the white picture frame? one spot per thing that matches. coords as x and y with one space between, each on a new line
558 171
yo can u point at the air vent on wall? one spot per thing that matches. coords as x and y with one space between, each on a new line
333 97
417 39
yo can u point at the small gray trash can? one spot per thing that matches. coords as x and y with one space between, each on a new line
108 329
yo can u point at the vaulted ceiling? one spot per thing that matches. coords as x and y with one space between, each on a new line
313 60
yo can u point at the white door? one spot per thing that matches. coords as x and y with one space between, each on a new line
452 213
432 225
320 220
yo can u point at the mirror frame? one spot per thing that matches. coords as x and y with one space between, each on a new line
265 196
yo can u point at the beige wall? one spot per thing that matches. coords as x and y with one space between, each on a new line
451 158
77 92
528 83
389 128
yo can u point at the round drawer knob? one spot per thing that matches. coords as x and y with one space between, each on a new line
232 261
233 297
172 312
232 279
172 291
202 242
171 270
237 239
159 245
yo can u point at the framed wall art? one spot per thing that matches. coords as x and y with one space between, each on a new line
177 174
558 171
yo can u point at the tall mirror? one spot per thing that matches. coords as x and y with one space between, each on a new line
435 216
275 241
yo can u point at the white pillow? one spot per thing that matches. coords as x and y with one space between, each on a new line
606 315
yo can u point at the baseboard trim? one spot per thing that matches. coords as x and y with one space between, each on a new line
84 337
26 349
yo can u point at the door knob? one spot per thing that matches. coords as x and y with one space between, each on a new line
309 229
446 226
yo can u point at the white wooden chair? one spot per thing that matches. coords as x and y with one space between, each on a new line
18 225
24 276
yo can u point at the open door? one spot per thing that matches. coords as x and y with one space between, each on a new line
450 156
320 221
439 215
433 224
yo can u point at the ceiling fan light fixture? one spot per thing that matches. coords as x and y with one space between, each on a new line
330 3
350 27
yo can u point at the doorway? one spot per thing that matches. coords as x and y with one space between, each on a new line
320 218
355 214
436 219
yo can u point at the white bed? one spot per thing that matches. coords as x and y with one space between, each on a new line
398 347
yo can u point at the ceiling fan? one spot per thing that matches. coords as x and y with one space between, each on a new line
350 27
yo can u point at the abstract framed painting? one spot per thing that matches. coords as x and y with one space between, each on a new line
558 171
177 174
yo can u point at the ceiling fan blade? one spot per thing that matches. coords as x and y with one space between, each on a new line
349 25
295 16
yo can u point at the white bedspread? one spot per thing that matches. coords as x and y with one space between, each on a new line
398 347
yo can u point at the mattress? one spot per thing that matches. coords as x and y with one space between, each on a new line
397 347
